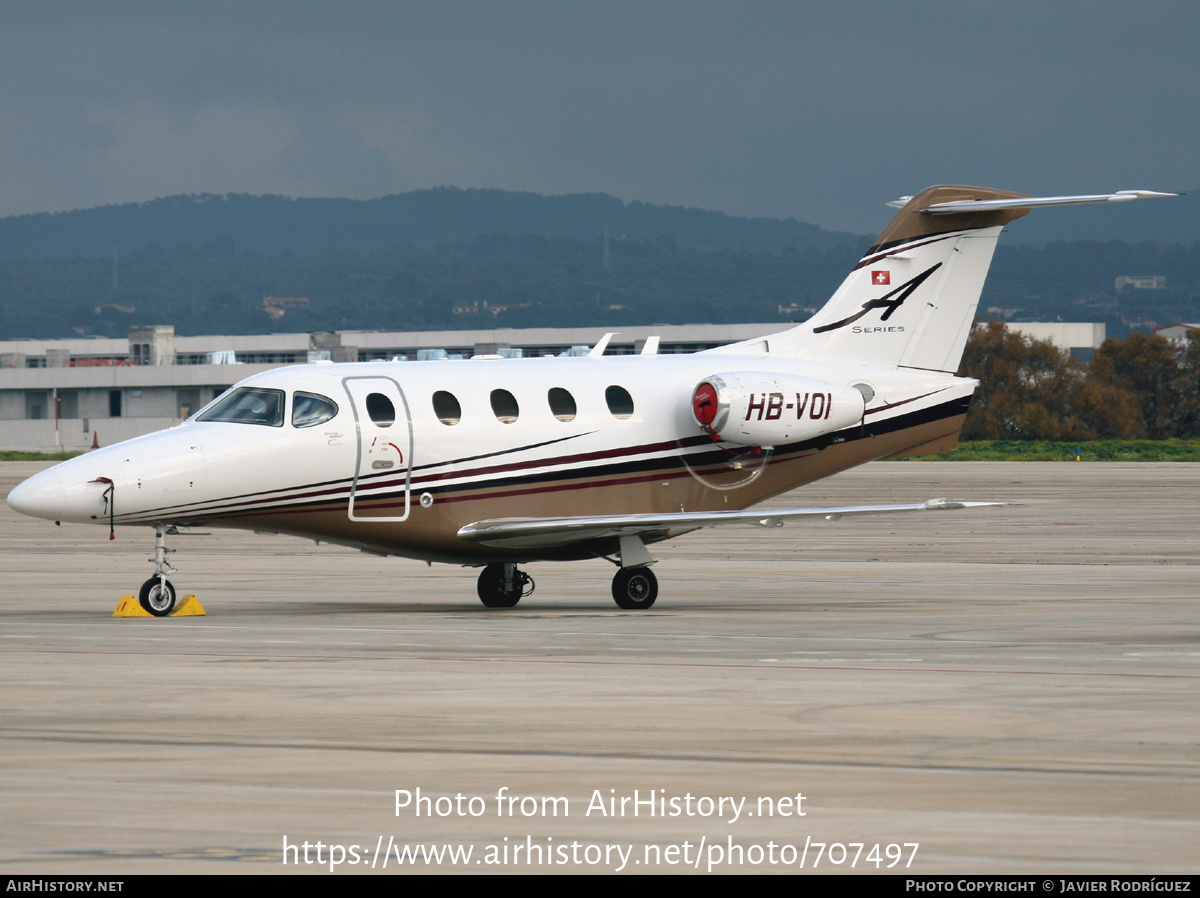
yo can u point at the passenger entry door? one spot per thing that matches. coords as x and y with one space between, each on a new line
383 469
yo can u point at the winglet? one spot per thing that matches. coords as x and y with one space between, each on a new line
952 504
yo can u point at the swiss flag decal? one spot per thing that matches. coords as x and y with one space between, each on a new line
883 278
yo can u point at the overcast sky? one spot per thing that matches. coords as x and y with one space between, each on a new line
820 111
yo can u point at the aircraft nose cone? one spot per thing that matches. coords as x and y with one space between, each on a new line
41 496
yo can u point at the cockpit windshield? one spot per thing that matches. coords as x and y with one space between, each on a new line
247 405
311 409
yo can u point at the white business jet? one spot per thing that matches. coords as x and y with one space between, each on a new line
499 462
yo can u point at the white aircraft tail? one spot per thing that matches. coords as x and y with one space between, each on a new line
910 302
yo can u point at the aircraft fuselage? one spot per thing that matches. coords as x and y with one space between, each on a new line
463 441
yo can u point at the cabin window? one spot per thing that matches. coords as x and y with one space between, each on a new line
380 410
562 404
620 403
310 409
446 407
504 406
247 405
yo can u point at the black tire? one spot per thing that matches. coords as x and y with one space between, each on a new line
635 588
157 597
490 587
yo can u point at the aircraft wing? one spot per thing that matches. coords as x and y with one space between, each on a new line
534 533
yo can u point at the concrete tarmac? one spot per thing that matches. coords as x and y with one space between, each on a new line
1016 690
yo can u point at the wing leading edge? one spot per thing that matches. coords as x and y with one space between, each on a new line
544 533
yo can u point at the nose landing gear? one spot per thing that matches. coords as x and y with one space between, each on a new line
157 595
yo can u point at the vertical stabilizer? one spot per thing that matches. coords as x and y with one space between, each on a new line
910 302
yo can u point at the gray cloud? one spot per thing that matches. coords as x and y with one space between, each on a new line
812 110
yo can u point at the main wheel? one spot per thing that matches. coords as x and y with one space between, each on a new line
493 591
157 596
635 588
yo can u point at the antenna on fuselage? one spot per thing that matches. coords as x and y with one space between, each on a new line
601 345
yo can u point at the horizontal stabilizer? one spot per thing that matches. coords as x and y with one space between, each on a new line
537 533
1030 202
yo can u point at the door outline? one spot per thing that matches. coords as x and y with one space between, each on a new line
374 434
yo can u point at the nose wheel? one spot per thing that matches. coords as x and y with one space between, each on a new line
157 595
502 585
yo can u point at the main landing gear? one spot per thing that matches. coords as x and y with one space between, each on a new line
502 585
157 595
634 588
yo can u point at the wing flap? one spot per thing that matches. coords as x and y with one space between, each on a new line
533 533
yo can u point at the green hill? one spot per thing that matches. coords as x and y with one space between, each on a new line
423 217
450 258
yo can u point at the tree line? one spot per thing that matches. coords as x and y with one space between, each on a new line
1139 387
436 217
504 280
495 280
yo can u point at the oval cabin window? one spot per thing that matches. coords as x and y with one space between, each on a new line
446 407
380 409
620 403
504 406
562 404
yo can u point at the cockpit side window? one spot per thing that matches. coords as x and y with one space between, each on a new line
311 409
247 405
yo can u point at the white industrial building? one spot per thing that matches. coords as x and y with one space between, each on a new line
1073 336
1177 333
80 392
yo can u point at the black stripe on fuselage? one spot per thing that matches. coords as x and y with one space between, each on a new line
334 486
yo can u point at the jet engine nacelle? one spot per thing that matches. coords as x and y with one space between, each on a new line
760 409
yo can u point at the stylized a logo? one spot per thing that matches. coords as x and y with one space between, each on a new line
886 302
